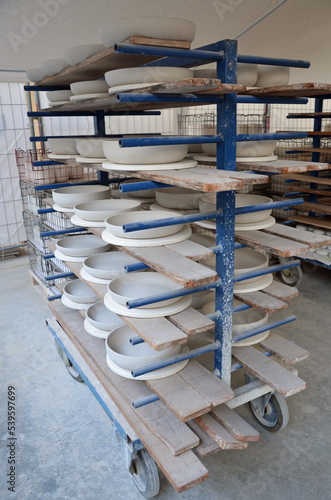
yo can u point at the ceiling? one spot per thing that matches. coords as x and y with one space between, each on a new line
32 31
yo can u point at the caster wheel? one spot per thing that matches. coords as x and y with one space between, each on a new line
309 267
68 364
274 416
145 474
292 276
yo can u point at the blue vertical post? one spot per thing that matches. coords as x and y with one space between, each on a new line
226 160
100 131
316 144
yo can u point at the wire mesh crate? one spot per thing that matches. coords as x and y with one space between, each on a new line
44 268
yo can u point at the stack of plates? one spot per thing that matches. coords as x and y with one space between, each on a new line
66 198
77 248
101 268
94 213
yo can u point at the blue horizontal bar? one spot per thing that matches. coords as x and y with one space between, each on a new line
172 98
288 222
43 88
55 297
176 359
59 276
127 48
237 366
41 114
218 249
65 184
169 221
270 137
131 142
293 193
268 206
239 245
136 340
264 328
45 163
46 137
266 270
273 61
241 307
141 186
48 256
248 99
45 234
139 266
138 403
45 210
181 292
214 316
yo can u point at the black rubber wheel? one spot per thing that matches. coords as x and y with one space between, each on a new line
145 474
292 276
68 364
275 415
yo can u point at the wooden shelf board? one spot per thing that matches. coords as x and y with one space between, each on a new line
284 349
307 149
305 237
321 114
306 178
219 434
309 132
283 166
314 207
281 291
233 423
319 192
261 300
293 90
276 245
313 221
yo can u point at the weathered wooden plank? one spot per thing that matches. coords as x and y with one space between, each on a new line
315 207
306 237
308 89
284 349
260 300
219 434
320 192
180 269
308 178
277 377
194 86
159 333
324 222
191 321
183 471
324 114
192 250
281 291
207 445
206 383
233 423
95 66
283 166
180 397
271 243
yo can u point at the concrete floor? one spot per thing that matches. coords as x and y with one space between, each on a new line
65 446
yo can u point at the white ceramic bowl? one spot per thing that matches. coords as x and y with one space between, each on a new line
82 245
108 265
35 74
54 66
59 95
272 76
252 199
114 224
78 53
71 196
89 87
167 28
62 146
147 74
245 148
102 318
90 148
99 210
130 357
144 155
199 299
246 74
146 193
138 285
77 291
178 198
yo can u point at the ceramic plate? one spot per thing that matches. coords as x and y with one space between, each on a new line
81 97
178 165
53 156
252 340
161 373
263 224
96 332
126 196
182 235
84 159
132 86
249 159
156 312
58 208
156 206
259 284
92 279
74 305
57 103
59 255
86 223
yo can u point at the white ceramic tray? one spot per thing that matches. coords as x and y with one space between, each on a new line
57 103
131 86
74 305
182 235
156 206
157 374
53 156
239 159
96 332
263 224
115 193
86 223
92 279
254 286
156 312
59 255
81 97
178 165
58 208
84 159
